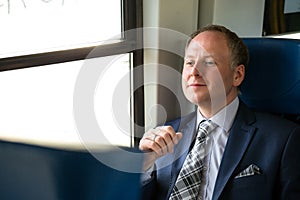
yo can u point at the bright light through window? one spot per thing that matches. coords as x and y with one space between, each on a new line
34 26
36 104
288 36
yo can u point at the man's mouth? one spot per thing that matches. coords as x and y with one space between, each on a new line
196 84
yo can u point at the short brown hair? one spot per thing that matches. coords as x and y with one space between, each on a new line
239 51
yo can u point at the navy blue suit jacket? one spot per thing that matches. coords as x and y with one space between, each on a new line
269 142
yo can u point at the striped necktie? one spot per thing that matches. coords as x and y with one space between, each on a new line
187 185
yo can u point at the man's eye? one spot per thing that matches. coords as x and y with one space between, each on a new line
189 62
209 63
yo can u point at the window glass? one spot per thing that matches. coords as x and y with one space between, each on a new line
34 26
37 103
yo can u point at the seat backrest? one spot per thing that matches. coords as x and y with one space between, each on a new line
33 172
272 81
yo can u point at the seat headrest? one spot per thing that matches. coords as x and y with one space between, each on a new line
272 81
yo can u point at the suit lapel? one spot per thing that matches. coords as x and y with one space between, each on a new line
238 141
181 150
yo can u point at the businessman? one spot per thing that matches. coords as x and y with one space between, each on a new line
223 150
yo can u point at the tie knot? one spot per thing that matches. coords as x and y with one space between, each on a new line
204 129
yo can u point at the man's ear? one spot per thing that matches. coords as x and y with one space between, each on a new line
239 75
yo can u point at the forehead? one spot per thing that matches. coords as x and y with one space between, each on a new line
208 43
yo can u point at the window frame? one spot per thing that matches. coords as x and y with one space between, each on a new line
132 18
131 15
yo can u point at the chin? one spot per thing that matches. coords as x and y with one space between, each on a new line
198 100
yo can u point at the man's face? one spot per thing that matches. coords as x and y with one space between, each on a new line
207 77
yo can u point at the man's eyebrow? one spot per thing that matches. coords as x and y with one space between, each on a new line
195 57
189 57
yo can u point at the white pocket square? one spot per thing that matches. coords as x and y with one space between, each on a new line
249 171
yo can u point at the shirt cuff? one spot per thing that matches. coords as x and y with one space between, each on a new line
147 175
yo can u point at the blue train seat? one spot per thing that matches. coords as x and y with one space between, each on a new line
272 82
30 172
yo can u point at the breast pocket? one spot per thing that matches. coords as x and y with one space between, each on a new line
248 187
249 181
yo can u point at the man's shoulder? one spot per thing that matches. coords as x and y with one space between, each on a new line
274 121
264 118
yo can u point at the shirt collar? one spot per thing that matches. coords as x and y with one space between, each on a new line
224 118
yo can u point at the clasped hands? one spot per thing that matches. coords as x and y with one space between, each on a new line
158 142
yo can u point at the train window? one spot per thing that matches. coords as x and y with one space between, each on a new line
37 104
36 26
45 48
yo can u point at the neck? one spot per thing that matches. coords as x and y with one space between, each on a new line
209 109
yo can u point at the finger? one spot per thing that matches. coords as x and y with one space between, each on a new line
148 145
158 139
150 135
169 130
178 137
175 137
171 143
163 140
172 133
149 142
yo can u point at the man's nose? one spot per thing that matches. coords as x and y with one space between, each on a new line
195 71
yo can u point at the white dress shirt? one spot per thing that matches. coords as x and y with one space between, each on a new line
216 145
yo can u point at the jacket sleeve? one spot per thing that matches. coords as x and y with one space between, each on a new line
290 167
149 188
